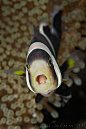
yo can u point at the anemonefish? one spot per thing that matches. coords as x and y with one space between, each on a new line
43 74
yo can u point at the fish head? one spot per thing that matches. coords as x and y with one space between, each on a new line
42 77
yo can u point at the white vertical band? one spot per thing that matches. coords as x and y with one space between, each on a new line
42 32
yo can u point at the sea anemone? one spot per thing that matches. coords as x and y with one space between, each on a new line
18 109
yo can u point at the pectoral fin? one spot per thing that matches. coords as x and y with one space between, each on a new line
38 98
63 90
16 71
73 61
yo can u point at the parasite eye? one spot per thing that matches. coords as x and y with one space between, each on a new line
50 62
28 67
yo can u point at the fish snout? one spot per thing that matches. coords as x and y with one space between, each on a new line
41 79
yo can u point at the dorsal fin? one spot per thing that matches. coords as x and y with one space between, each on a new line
35 29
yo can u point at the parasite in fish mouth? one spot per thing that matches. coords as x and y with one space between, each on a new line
41 79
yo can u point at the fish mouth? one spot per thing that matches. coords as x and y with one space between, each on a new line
41 81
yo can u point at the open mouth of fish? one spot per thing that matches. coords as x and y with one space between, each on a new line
41 81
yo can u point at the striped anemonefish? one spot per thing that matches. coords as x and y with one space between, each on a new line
43 74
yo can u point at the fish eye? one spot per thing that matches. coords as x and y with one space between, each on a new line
50 62
28 67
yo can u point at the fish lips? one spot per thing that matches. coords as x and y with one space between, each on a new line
44 89
40 87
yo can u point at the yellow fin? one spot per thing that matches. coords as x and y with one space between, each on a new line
71 63
19 72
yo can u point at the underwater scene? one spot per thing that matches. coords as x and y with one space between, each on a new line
42 64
